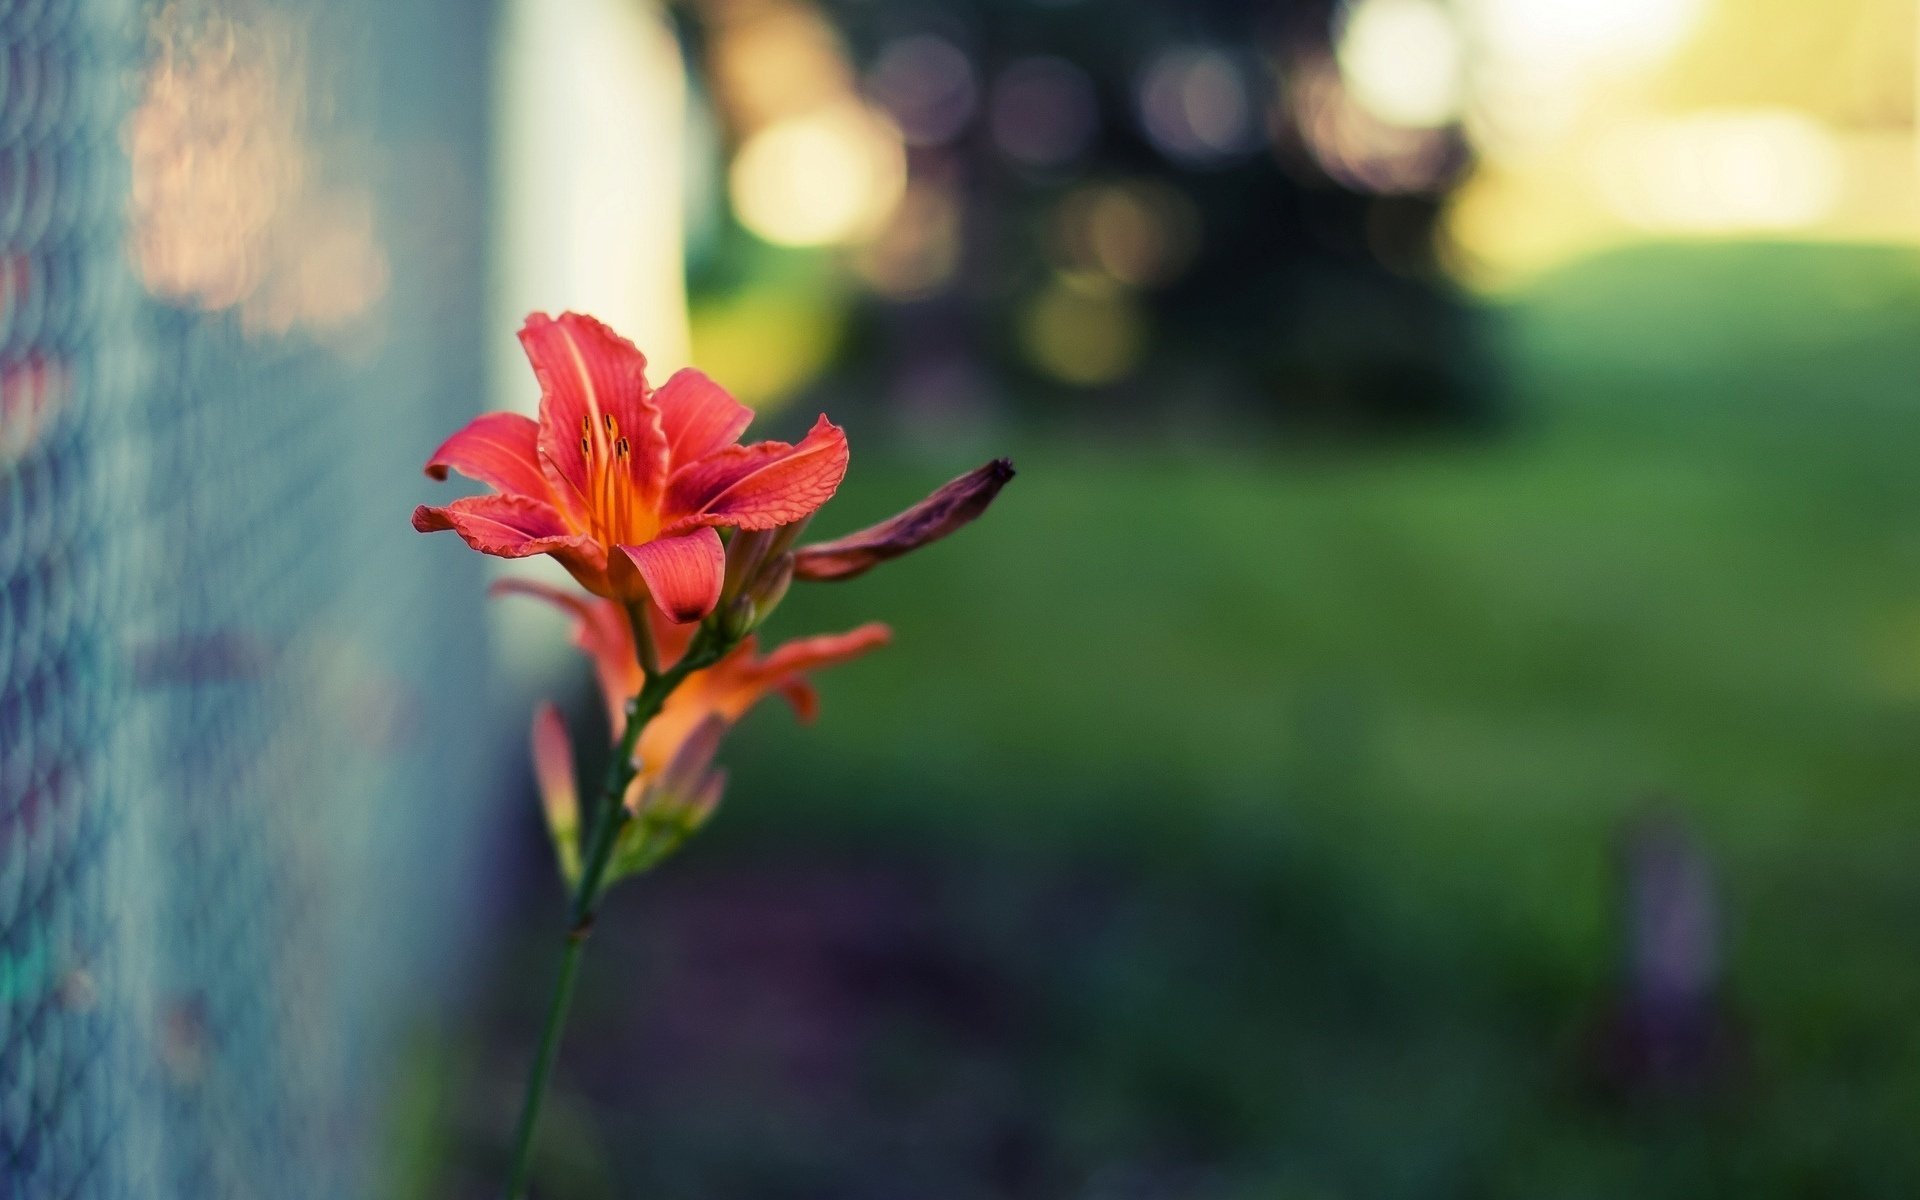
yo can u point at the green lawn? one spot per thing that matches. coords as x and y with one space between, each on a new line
1275 794
1435 681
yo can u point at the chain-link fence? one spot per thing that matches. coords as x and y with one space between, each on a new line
244 760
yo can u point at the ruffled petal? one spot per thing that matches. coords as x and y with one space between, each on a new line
955 504
759 486
593 391
501 450
516 527
507 526
699 417
682 574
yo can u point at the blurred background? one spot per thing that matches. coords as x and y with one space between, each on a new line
1433 717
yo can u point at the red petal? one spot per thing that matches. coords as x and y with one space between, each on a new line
516 527
501 450
952 506
807 654
698 416
739 682
804 699
682 574
587 374
759 486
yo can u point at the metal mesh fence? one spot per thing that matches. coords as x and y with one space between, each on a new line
244 751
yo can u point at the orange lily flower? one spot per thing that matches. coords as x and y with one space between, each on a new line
677 747
625 485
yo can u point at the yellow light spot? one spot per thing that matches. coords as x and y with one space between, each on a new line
1138 233
773 59
827 177
772 340
1725 172
1402 61
1083 335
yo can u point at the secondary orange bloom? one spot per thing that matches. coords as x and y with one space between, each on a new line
625 485
677 747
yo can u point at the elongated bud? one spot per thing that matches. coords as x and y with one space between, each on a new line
771 587
763 582
674 804
747 549
559 796
955 504
786 535
705 800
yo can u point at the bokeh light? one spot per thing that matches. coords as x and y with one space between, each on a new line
773 338
1718 173
1195 105
217 151
1402 61
1358 149
1080 332
229 204
776 59
928 85
1597 125
1551 37
1138 233
826 177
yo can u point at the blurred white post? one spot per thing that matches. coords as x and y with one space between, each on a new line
589 110
589 119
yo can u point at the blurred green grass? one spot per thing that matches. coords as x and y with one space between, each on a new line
1240 821
1417 690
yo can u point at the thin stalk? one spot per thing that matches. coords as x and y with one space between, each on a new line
643 638
609 817
543 1063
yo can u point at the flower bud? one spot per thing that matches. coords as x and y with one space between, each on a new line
559 796
761 587
955 504
771 586
737 618
746 550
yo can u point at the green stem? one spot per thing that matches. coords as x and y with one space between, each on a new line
543 1064
609 817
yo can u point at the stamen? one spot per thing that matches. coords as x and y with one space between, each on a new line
609 502
586 449
620 447
586 425
608 418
